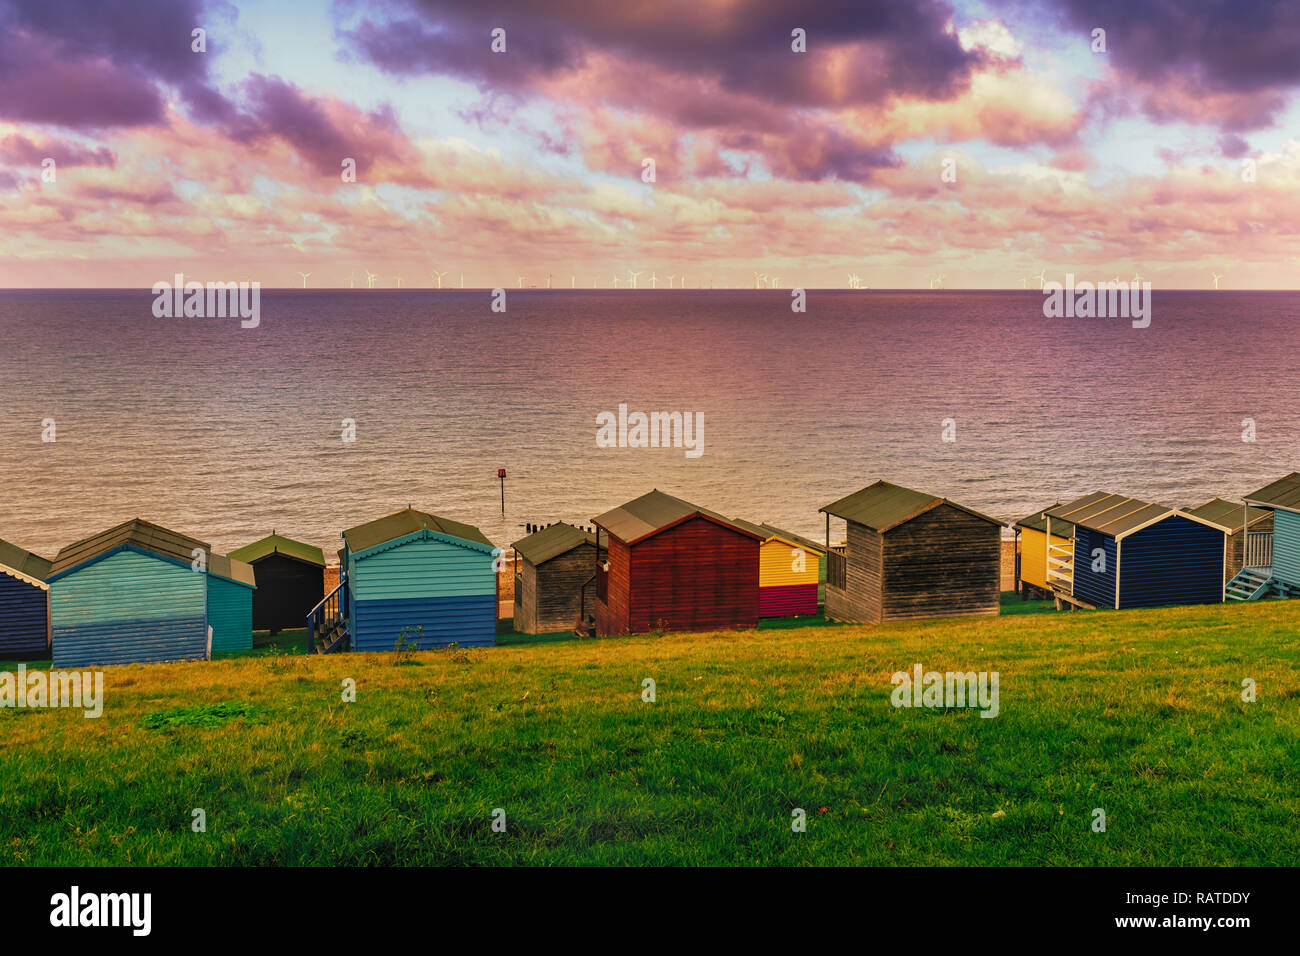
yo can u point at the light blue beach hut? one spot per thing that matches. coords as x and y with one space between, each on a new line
411 576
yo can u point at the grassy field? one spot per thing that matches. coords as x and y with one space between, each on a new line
1137 713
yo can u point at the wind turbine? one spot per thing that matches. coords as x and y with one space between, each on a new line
304 278
654 280
1137 278
370 279
615 280
462 280
1024 283
683 280
548 280
1042 275
437 277
1217 277
520 281
352 280
633 275
399 281
772 284
573 282
670 279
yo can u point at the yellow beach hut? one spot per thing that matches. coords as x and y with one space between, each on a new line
788 571
1039 561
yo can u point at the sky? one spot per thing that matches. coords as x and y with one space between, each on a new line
984 142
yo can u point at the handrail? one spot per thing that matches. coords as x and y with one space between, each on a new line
343 579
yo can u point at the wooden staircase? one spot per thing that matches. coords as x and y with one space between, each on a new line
327 622
1060 566
1251 584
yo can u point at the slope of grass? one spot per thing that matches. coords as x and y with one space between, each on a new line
1136 713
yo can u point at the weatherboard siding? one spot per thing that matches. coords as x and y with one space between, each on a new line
1286 546
1033 556
230 615
1174 561
128 607
422 568
943 563
24 617
467 620
1095 587
786 600
696 576
551 598
131 642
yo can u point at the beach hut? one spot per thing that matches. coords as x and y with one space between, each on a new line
131 594
426 580
1039 554
24 603
231 589
290 580
1133 553
552 566
1238 522
665 564
789 571
911 555
1272 560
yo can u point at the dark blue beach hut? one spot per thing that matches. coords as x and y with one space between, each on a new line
426 580
131 594
1133 553
24 603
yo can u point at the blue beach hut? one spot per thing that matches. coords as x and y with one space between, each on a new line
1133 553
230 604
24 603
1272 561
415 576
129 595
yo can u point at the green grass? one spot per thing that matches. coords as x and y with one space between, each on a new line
1138 713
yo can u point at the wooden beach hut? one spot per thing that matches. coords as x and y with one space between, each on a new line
231 590
1039 553
789 570
551 567
290 580
130 594
1133 553
414 576
911 555
24 603
1237 521
664 563
1272 559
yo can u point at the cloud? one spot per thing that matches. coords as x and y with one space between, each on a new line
98 64
1234 65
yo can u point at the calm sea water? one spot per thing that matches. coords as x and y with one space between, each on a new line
226 433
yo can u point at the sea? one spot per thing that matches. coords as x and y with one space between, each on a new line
227 433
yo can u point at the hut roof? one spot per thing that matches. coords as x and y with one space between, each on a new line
884 506
231 569
136 533
1283 493
24 562
279 544
1227 515
551 542
1038 522
408 521
1110 514
654 512
767 532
